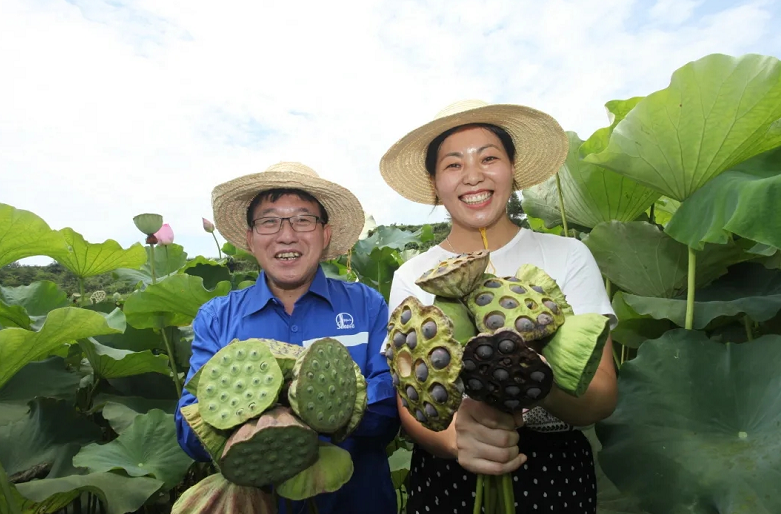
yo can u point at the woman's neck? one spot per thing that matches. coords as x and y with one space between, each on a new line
467 239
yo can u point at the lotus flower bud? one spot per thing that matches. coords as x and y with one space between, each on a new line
148 223
165 236
208 226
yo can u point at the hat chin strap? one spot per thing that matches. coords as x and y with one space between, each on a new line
485 245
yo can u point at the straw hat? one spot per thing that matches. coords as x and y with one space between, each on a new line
231 200
541 146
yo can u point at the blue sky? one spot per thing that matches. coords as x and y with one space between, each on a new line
110 109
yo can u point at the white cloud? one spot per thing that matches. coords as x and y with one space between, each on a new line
112 109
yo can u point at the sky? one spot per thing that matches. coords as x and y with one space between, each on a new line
113 108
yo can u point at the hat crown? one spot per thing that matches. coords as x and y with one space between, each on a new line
291 167
459 107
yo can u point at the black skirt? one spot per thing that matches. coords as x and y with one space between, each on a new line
558 477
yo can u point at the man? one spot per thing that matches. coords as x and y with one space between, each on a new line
290 219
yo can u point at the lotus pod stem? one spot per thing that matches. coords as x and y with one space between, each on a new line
324 386
501 370
361 400
269 450
215 494
455 277
425 362
238 383
457 312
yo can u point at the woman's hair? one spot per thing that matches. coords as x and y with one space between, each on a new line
433 147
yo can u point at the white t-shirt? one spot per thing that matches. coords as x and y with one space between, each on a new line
567 260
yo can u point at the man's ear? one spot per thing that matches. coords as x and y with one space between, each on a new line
249 239
326 236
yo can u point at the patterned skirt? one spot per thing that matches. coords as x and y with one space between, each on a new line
558 477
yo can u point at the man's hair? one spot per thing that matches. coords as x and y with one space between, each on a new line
272 195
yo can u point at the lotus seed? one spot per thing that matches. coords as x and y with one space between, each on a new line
530 304
512 404
421 372
249 368
524 324
429 329
395 378
310 389
484 299
234 370
420 416
484 351
533 392
506 346
256 381
215 372
539 289
538 376
412 340
315 365
552 306
512 279
475 384
404 403
269 379
469 365
494 321
440 358
493 284
412 393
544 319
399 338
406 314
517 289
439 393
212 407
501 374
310 406
320 396
508 303
331 389
512 390
234 402
431 411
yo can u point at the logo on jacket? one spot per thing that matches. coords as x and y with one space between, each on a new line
344 320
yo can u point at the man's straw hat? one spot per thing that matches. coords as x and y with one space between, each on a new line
231 200
541 146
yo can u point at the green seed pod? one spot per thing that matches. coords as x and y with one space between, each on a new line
536 277
425 362
324 386
148 223
285 353
269 450
361 400
575 351
509 303
212 439
216 494
238 383
501 370
455 277
463 325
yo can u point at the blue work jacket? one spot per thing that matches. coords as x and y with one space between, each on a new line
352 313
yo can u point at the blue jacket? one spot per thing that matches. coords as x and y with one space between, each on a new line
352 313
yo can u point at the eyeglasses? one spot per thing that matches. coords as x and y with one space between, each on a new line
299 223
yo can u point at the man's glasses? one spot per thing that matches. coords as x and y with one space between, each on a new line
299 223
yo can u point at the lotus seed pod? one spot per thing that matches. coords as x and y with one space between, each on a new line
463 325
538 279
285 353
361 400
501 370
333 469
510 303
212 439
192 384
575 351
148 223
324 386
269 450
455 277
216 494
238 383
425 373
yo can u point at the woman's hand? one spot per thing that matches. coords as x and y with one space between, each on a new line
486 439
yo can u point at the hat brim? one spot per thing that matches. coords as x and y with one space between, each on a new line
231 200
541 147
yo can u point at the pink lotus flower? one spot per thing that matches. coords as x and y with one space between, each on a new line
208 226
165 236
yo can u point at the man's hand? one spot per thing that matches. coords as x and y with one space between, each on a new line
487 439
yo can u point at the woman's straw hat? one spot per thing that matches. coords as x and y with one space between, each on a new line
231 200
540 142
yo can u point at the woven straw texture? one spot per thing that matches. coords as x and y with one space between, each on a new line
231 200
540 142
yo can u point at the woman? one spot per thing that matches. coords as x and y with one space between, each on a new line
470 159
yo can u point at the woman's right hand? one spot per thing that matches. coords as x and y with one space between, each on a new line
487 439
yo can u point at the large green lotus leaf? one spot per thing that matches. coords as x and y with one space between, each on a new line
40 438
147 447
62 326
24 234
664 209
749 288
393 237
210 271
377 267
43 379
333 469
133 339
168 260
109 362
592 194
742 201
86 259
173 302
717 112
120 411
118 494
238 253
633 328
641 259
23 305
701 418
617 111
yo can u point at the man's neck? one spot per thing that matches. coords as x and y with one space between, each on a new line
289 296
